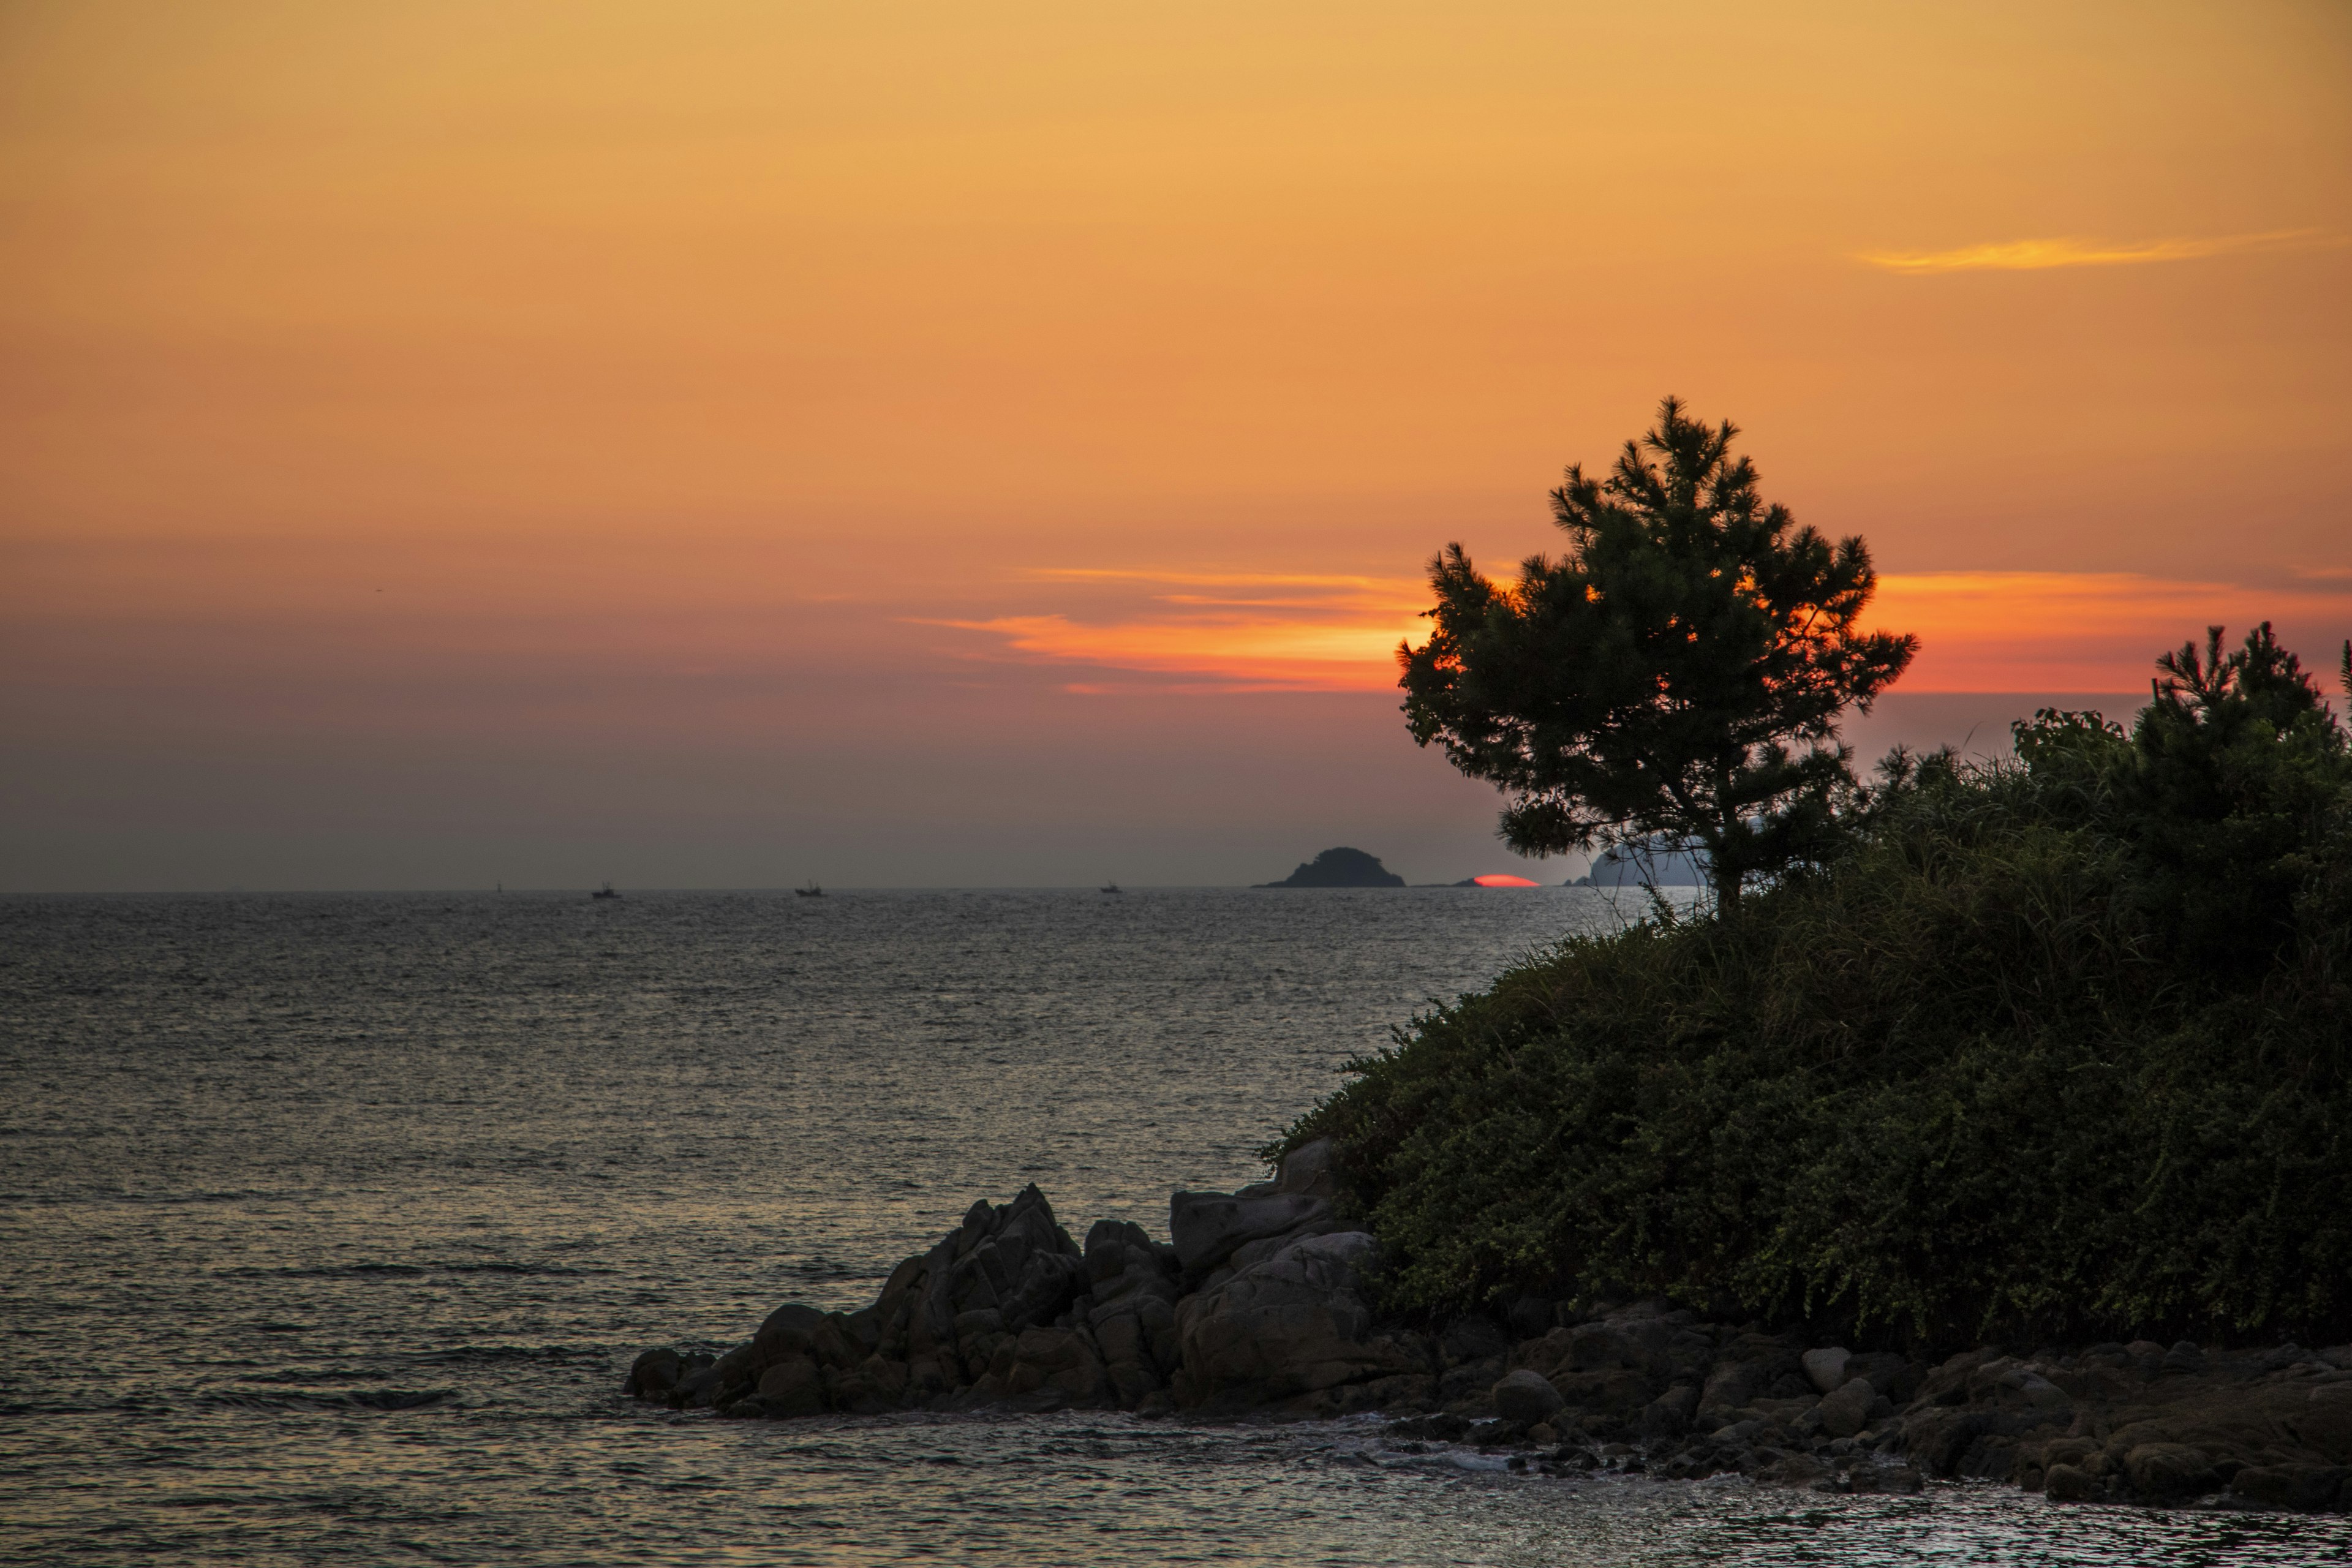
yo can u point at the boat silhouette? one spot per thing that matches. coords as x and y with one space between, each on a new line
811 891
604 892
1112 888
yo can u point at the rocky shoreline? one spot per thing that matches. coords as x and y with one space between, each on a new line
1257 1305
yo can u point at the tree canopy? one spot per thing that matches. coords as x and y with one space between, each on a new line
2224 794
1678 673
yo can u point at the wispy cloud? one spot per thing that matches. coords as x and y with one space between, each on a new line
1203 579
1265 653
1264 631
2038 255
2076 631
1980 631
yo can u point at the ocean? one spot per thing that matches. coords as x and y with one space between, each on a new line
331 1224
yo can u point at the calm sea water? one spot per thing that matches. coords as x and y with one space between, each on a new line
332 1222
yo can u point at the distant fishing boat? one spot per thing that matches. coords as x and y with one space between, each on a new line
1112 888
604 892
811 891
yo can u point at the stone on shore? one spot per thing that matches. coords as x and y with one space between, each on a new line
1826 1368
1847 1411
1526 1397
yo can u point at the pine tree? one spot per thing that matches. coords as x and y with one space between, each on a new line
1678 673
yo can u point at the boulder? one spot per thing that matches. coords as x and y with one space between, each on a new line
654 1373
1825 1369
1311 1170
2303 1487
1898 1377
697 1389
877 1383
2182 1359
1949 1383
1209 1227
1669 1414
2168 1471
1745 1368
1846 1411
796 1330
1060 1362
2324 1424
2067 1483
1526 1397
1294 1324
1605 1396
793 1386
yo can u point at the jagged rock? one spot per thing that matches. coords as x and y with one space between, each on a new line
1526 1397
1133 1286
1060 1362
1294 1324
877 1383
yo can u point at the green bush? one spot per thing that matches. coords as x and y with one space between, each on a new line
2056 1048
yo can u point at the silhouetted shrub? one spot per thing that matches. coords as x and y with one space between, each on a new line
2057 1047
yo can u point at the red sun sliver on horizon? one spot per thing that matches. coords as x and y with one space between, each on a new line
1499 879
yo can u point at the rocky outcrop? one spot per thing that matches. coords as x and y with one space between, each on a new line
1262 1301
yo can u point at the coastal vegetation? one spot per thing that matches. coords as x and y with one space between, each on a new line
2056 1046
1675 680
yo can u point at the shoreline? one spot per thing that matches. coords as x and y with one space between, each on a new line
1258 1307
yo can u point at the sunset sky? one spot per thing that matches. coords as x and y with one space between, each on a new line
703 444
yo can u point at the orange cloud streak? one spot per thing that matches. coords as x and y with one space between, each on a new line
2040 255
1978 631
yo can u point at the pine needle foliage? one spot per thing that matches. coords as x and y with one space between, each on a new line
2056 1046
1676 677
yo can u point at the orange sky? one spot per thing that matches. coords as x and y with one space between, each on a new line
444 441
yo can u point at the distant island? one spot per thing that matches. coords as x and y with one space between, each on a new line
1341 869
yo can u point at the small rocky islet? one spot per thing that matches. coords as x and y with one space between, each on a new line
1260 1306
